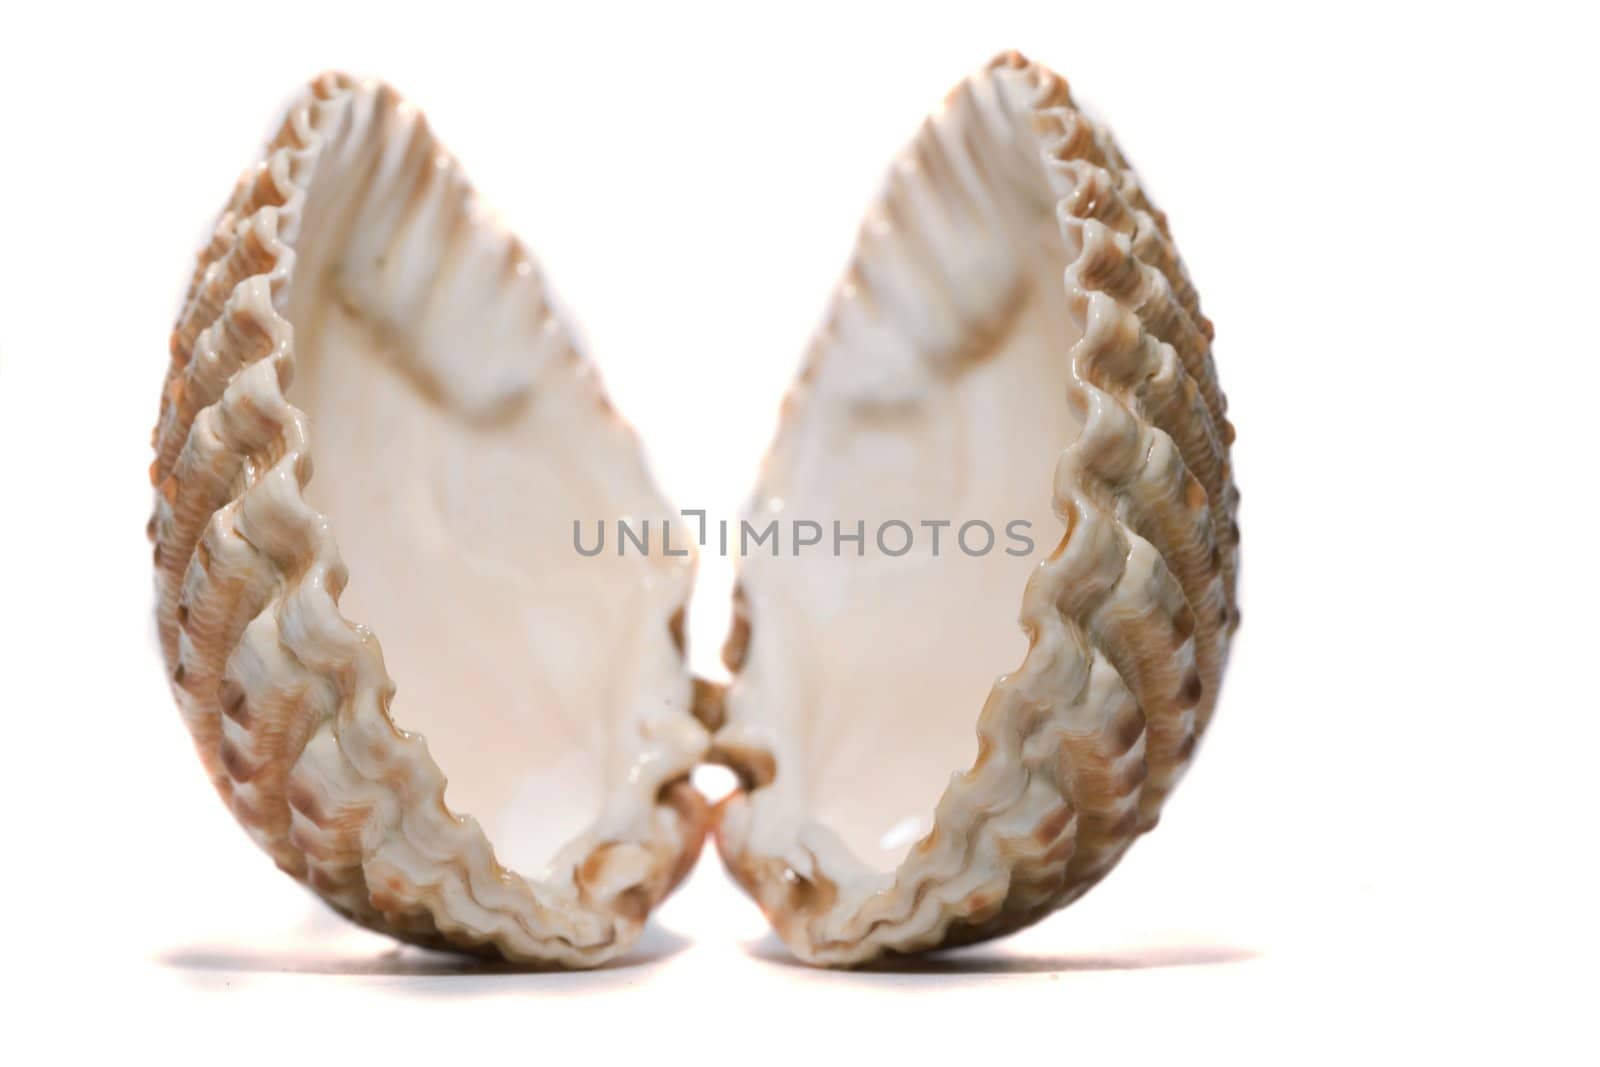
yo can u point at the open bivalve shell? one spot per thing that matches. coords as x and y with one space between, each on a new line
1011 400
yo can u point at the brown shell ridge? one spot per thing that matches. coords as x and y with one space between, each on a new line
269 825
248 584
1136 397
1128 619
1127 254
1101 186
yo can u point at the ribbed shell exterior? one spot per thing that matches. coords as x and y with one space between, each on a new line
288 700
1128 620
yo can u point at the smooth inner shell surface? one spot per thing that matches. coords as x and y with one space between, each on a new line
457 437
932 443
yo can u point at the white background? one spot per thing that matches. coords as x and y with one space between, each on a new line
1387 843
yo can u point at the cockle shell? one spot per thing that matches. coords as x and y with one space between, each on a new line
1015 304
1015 341
448 408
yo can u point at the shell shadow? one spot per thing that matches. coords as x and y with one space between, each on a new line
991 960
437 972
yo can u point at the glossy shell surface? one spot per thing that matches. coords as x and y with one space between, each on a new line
1016 337
358 305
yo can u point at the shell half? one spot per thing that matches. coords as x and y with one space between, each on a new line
355 292
1015 341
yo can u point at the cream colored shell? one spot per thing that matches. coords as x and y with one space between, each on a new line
357 235
1014 297
1016 335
